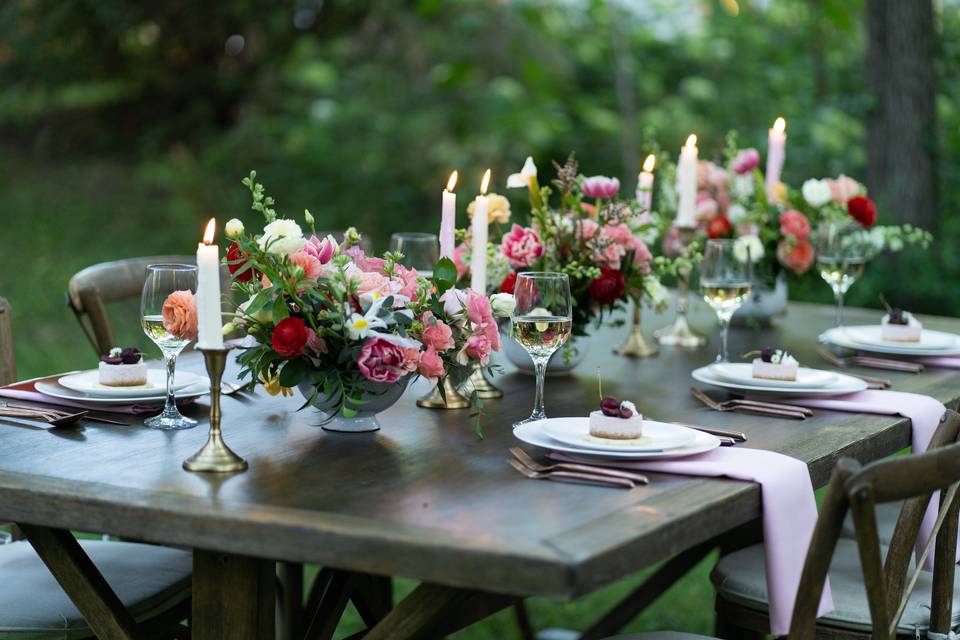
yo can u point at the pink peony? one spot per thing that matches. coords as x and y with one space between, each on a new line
600 187
478 348
745 161
794 223
437 334
382 361
430 365
311 265
796 256
180 315
322 250
844 188
521 246
460 260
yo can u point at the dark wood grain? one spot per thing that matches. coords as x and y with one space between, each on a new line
8 371
424 498
233 597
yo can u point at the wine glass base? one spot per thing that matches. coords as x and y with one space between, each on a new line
532 418
170 422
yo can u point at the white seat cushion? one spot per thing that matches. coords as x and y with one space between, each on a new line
148 580
740 578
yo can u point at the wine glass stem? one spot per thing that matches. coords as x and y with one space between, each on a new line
839 295
540 367
171 361
682 296
724 329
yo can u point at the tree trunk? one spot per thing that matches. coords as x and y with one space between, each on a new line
901 125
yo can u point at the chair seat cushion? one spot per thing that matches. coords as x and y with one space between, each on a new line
149 580
662 635
740 578
887 514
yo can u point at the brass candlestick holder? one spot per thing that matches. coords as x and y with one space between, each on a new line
679 333
215 456
450 399
477 381
636 346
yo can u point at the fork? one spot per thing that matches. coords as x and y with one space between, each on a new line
572 476
870 362
533 465
50 412
753 406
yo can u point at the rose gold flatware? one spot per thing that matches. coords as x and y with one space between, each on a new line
532 464
572 476
748 406
870 362
56 420
49 411
737 436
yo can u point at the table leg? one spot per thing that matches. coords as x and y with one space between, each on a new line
233 597
290 601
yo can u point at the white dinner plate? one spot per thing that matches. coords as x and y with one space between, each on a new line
841 337
656 436
88 383
929 339
54 390
842 385
742 372
532 433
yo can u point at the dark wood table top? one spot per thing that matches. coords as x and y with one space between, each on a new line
424 498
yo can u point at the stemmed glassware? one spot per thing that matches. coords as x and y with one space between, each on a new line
420 251
842 253
542 322
726 277
161 281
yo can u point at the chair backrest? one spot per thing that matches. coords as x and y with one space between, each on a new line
8 370
915 479
89 291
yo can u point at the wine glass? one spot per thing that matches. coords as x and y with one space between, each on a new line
542 322
842 253
161 281
726 277
420 251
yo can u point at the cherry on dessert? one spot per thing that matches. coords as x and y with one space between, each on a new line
897 316
767 354
610 406
625 411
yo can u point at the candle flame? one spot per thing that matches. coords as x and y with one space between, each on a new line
209 231
692 140
485 183
780 125
648 163
452 182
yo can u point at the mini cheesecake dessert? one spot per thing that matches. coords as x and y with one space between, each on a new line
775 364
123 368
900 326
616 420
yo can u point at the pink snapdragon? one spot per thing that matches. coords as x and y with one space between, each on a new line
745 161
600 187
521 246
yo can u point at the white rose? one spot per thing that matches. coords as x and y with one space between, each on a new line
234 229
748 246
743 186
282 237
503 304
816 192
736 213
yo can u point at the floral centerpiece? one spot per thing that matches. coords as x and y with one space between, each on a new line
346 328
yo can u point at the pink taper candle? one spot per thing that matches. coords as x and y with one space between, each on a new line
645 184
448 218
776 152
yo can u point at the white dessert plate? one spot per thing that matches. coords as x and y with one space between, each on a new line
929 339
656 436
843 384
54 390
88 382
742 372
533 433
841 337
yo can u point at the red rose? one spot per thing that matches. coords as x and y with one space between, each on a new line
509 283
235 262
608 288
863 210
719 227
289 337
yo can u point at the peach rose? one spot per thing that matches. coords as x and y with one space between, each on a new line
180 315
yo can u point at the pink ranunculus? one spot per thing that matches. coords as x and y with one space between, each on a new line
180 315
478 348
843 188
586 229
745 161
794 223
707 207
323 250
600 187
796 256
312 267
430 365
460 260
521 246
381 360
437 334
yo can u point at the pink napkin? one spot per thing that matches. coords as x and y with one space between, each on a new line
27 390
789 513
947 362
924 413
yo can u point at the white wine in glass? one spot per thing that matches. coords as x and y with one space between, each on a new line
726 280
542 323
842 253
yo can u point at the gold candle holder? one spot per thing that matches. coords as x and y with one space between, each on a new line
636 346
450 399
679 334
477 381
215 456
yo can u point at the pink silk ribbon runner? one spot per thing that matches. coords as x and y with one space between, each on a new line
789 513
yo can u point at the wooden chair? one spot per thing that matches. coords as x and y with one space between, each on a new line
873 595
90 290
8 369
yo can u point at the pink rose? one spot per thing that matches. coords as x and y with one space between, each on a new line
480 314
322 250
180 315
586 229
382 361
459 259
478 348
794 223
430 365
521 246
437 334
641 255
618 233
371 282
745 161
312 267
600 187
796 256
844 188
707 207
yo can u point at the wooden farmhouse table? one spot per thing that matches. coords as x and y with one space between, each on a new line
423 498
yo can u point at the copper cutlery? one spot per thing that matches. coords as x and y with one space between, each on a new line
573 476
533 465
758 407
870 362
50 414
731 436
